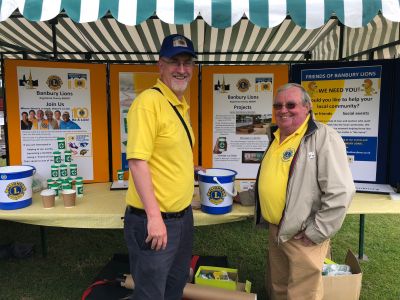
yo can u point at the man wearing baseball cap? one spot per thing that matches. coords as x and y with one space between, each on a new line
158 220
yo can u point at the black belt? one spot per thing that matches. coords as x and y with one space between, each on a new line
165 215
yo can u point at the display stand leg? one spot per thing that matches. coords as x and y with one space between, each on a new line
361 255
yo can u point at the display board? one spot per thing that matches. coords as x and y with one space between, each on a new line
354 98
47 101
128 81
394 157
237 115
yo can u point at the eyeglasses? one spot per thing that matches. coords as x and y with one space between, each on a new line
288 105
177 63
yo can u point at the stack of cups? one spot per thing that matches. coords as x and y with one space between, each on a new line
66 185
63 171
55 186
67 157
79 186
48 197
69 197
61 143
49 182
73 170
57 157
120 176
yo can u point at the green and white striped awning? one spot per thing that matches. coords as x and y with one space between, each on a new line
307 14
223 31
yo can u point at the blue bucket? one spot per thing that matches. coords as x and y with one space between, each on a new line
16 186
217 189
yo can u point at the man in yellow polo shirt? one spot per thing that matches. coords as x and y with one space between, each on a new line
304 187
158 220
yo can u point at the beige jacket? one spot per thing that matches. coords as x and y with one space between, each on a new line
320 186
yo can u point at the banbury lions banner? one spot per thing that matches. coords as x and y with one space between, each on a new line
348 99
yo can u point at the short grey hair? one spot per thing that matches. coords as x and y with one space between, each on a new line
306 99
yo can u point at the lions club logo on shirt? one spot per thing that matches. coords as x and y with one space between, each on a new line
287 154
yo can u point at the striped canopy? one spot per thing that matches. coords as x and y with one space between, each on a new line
223 31
307 14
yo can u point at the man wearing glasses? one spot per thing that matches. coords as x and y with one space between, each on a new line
304 187
158 220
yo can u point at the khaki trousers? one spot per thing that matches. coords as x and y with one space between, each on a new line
294 270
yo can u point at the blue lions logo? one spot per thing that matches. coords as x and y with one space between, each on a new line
15 190
216 195
288 154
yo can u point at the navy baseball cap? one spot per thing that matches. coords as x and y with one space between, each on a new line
175 44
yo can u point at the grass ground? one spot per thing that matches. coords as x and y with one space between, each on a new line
75 256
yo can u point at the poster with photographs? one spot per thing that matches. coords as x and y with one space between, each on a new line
55 103
242 120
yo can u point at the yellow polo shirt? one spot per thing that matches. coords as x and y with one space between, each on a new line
156 135
274 174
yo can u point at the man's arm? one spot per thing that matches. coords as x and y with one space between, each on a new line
337 187
157 232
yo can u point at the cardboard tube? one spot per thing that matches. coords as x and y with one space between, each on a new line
202 292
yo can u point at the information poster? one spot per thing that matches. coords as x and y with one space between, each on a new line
131 85
47 101
54 103
242 109
348 99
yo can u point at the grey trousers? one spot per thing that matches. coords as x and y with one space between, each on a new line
162 274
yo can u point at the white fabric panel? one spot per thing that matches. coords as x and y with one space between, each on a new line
7 8
127 12
353 11
165 10
200 35
391 10
315 13
89 10
204 8
238 8
50 9
277 12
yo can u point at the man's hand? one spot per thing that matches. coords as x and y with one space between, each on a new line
156 233
304 239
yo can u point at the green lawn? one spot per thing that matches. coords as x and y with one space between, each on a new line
75 256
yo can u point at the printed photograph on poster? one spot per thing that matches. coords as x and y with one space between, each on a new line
55 103
242 114
253 124
348 99
252 157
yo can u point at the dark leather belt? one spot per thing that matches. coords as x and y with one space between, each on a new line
165 215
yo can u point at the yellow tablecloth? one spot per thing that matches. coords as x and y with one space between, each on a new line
101 208
364 203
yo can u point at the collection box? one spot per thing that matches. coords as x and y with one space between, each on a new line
225 284
344 287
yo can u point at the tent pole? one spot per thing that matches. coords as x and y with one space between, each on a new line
341 39
199 103
4 110
108 95
53 24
